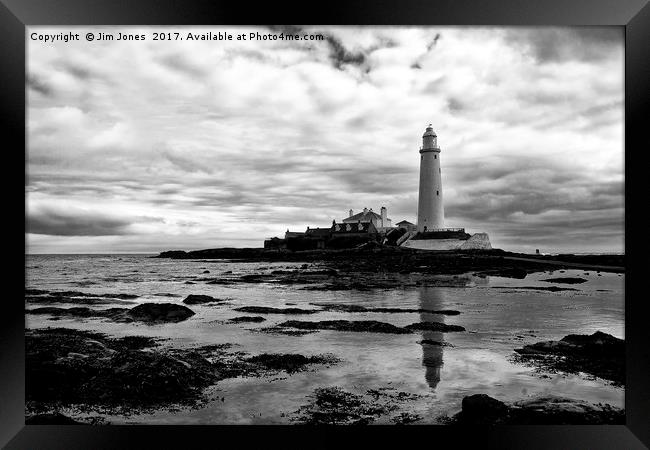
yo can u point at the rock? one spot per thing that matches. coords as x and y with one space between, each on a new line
120 296
389 259
81 311
217 281
334 406
551 410
537 288
511 272
195 299
597 343
270 310
133 374
598 354
172 254
289 362
160 312
206 271
46 297
434 326
255 278
565 280
146 312
405 418
371 326
285 331
481 409
116 372
247 319
359 308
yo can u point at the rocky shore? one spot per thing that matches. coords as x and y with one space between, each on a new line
95 372
481 409
598 354
380 258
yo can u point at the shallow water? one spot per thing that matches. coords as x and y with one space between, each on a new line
498 319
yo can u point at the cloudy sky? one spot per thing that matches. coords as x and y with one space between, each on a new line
143 146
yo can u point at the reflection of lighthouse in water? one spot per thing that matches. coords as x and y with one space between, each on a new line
431 297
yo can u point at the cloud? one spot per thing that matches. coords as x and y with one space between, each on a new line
35 83
249 138
178 62
55 222
433 42
553 45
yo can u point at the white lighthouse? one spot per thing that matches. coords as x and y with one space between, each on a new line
430 210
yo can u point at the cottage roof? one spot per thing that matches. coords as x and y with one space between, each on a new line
404 222
363 216
317 232
355 227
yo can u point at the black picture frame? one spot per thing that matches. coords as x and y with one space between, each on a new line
633 15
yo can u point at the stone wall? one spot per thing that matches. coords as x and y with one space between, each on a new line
475 242
478 241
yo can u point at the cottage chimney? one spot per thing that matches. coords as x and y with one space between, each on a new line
365 210
351 213
384 216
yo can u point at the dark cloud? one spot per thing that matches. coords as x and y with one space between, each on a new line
431 45
357 122
286 29
58 222
596 115
37 84
77 71
178 62
548 44
435 85
455 105
340 56
502 203
497 188
383 42
186 164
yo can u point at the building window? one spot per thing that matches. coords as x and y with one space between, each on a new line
435 156
437 193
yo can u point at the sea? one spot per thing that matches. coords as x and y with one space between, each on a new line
497 316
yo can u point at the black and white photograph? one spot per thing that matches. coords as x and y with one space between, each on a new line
325 225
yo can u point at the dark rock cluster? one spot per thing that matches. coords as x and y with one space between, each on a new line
599 354
481 409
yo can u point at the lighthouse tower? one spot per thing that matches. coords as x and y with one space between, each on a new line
430 209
